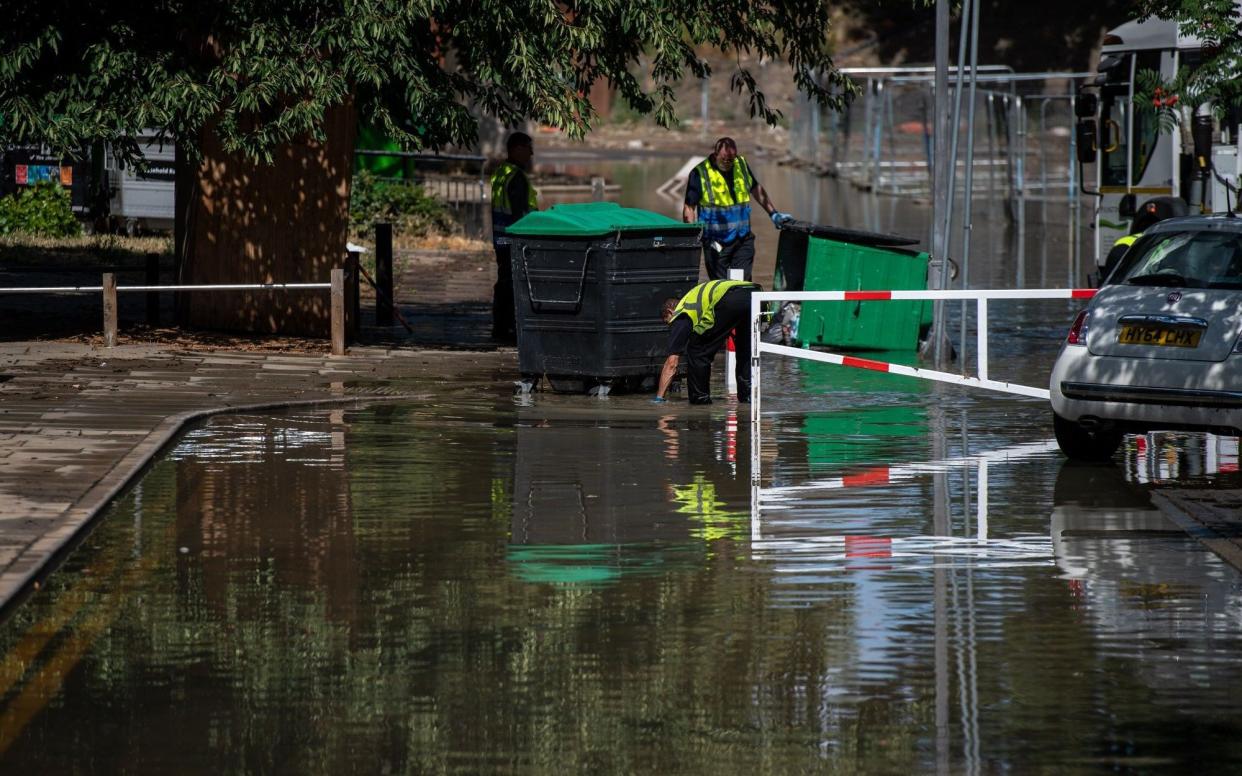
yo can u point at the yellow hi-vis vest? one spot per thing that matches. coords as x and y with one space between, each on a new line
699 303
502 209
1127 240
724 218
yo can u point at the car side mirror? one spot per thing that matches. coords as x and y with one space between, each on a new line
1127 207
1084 138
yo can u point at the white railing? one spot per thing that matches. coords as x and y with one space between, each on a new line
110 289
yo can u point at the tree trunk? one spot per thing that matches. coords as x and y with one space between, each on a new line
244 222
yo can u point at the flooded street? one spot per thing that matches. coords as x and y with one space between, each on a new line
490 583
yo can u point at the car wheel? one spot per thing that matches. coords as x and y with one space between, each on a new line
1079 444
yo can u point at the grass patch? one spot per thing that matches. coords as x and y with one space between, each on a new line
82 251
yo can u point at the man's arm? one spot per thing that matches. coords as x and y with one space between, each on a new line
761 196
694 193
667 372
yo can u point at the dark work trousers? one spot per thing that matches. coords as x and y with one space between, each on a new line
732 311
503 324
739 254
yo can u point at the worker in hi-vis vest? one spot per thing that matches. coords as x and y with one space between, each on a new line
718 193
513 196
1148 216
699 323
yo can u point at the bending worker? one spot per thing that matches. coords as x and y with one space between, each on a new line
718 193
698 325
512 197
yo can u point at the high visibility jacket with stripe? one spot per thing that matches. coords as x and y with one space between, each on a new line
724 218
1127 240
699 303
502 208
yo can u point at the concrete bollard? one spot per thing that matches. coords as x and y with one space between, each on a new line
338 312
109 309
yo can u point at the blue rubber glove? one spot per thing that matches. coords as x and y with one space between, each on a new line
659 400
779 219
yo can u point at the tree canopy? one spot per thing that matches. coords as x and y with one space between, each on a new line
259 73
1216 80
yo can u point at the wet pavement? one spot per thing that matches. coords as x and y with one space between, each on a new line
78 422
471 581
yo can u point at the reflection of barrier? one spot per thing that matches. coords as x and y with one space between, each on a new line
979 380
773 501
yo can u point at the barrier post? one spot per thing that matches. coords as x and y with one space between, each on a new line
153 297
109 309
731 355
755 343
338 311
981 333
384 299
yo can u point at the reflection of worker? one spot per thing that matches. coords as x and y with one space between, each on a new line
512 197
698 325
718 193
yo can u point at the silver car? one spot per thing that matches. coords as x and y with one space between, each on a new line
1158 346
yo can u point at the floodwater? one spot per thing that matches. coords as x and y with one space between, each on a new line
486 583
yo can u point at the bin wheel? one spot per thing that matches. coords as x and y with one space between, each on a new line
566 384
637 383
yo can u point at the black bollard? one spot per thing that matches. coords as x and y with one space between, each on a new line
383 275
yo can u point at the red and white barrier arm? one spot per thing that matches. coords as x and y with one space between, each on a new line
884 296
909 371
980 297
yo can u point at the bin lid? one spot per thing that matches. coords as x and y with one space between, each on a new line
855 236
594 219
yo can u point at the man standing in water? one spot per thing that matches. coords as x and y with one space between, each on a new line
718 193
512 197
698 325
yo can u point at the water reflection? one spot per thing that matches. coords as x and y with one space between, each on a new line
481 587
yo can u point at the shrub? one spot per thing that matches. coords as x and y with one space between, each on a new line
43 209
411 210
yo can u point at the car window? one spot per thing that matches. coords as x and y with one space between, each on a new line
1198 259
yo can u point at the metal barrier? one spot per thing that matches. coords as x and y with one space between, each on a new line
979 380
110 289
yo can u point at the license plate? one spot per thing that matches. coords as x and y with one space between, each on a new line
1163 336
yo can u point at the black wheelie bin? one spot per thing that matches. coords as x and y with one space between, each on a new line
588 283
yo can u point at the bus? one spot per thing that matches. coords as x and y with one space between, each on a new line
1141 172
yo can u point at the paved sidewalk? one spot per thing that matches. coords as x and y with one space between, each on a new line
1214 517
78 422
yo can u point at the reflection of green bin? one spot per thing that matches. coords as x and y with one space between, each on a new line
872 436
844 260
895 420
